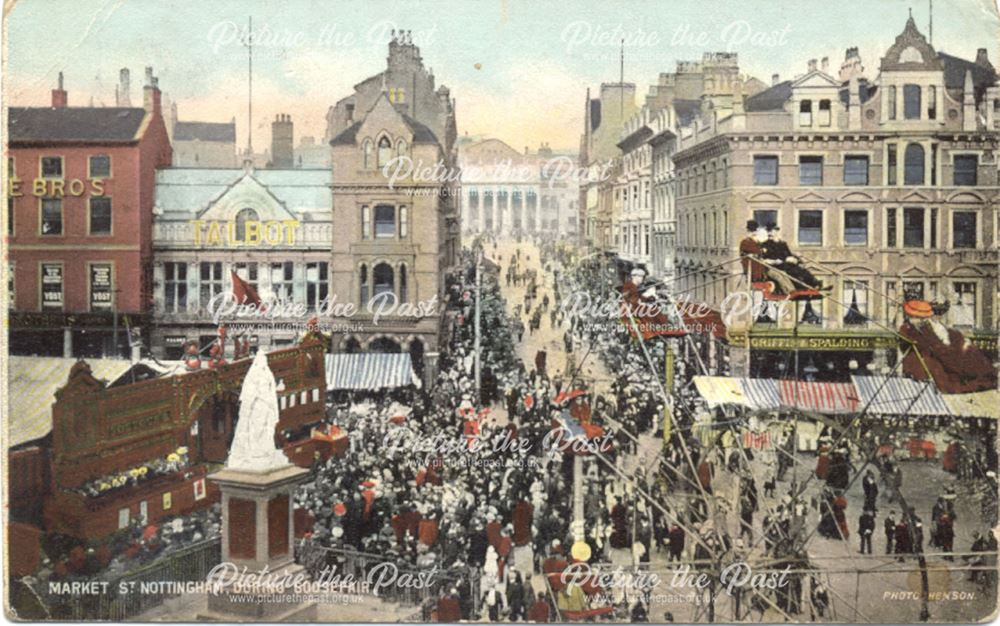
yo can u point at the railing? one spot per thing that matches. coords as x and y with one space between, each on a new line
192 563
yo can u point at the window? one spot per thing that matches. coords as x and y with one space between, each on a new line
210 285
855 170
282 280
402 283
855 296
963 229
363 284
397 95
810 170
911 102
100 215
891 164
856 228
932 102
824 112
175 287
404 221
890 228
244 216
10 215
913 228
384 151
52 167
963 309
366 222
891 102
382 279
52 218
367 151
765 216
11 267
934 154
934 228
100 166
966 166
317 287
385 222
805 113
100 287
248 272
810 228
401 147
52 286
913 164
765 170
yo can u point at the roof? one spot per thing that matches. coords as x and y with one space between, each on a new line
978 404
772 99
899 396
74 124
189 190
32 385
369 371
686 110
205 131
955 68
421 133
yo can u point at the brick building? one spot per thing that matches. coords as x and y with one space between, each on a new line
80 199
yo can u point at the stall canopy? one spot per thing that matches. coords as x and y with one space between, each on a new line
884 395
761 393
978 404
369 371
720 390
818 397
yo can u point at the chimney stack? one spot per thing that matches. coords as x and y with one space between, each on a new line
151 93
983 58
60 99
123 97
282 137
824 64
775 79
812 65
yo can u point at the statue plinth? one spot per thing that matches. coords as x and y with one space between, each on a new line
258 534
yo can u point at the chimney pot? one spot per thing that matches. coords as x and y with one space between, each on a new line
60 98
982 57
775 79
812 65
824 64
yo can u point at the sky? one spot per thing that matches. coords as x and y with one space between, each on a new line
519 70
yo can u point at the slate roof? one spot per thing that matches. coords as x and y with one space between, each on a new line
686 110
954 73
421 133
205 131
771 99
74 124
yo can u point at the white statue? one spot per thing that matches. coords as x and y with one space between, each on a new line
253 444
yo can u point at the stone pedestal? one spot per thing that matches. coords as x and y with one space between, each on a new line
258 534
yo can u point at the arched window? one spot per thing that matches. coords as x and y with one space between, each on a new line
913 161
402 283
401 147
367 150
385 221
384 151
244 216
383 280
363 282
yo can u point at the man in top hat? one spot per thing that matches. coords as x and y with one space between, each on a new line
753 245
777 254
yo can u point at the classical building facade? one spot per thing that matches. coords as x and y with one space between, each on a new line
271 227
397 229
80 212
887 186
510 193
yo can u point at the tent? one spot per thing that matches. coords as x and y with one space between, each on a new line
369 371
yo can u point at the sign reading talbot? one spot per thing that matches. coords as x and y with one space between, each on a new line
254 232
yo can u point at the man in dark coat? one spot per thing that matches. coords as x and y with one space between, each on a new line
777 253
540 358
889 525
866 528
676 538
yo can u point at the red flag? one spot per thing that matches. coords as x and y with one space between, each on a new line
244 292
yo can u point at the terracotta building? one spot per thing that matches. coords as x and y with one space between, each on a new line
80 200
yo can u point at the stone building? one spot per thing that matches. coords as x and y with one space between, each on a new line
397 229
887 186
270 227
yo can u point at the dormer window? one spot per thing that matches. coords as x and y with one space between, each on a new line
805 113
384 151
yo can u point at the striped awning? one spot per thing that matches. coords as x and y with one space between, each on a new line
818 397
369 371
761 393
896 395
32 385
720 390
980 404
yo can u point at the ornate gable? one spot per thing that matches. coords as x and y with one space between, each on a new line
911 52
246 193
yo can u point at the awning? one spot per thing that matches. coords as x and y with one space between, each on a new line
818 397
761 393
720 390
33 382
979 404
899 396
369 371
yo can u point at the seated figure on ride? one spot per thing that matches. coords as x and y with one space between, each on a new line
777 254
